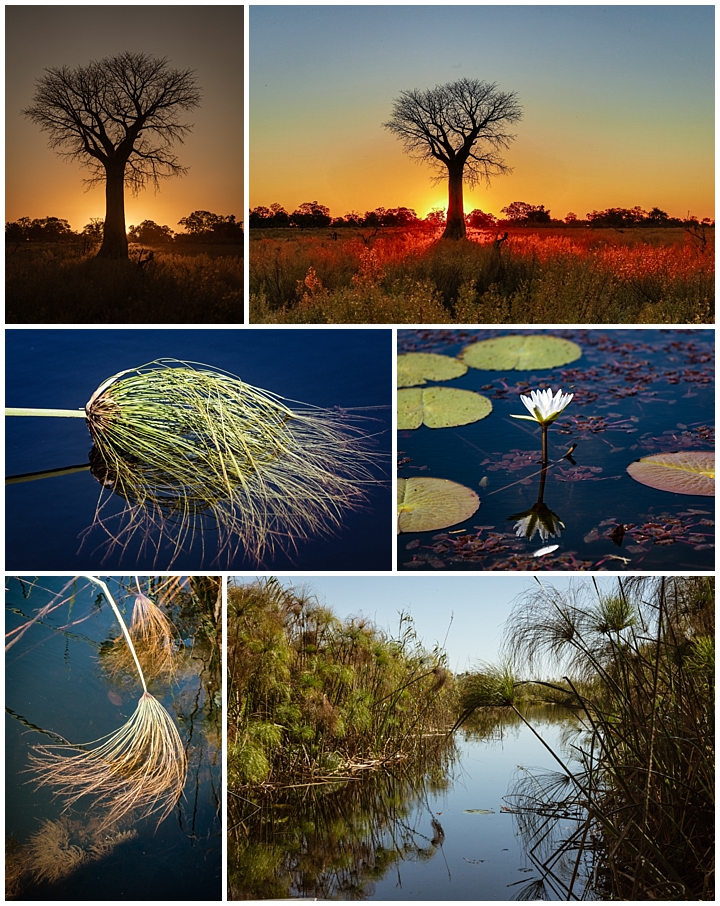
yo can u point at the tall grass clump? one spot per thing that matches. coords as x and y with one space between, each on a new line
141 766
311 696
193 450
641 664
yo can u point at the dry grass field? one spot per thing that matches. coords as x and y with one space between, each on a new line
189 283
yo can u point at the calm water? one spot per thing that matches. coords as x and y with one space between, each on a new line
439 836
637 392
61 368
57 682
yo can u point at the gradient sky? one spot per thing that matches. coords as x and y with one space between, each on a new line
479 606
207 39
618 103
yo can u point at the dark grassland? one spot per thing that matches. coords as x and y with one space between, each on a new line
192 283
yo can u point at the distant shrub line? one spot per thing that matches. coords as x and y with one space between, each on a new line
311 214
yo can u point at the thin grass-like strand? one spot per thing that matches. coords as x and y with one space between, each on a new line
142 765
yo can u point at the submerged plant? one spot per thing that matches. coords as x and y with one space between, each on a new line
142 765
192 448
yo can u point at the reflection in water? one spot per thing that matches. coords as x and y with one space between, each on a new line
554 826
50 853
60 847
419 833
549 815
539 518
334 840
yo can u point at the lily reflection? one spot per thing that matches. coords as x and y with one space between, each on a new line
539 519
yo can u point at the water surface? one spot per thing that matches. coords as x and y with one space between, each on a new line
440 833
636 393
58 682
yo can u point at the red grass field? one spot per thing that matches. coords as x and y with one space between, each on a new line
541 275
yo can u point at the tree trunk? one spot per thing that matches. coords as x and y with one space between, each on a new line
114 244
455 223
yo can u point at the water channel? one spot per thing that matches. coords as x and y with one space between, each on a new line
449 832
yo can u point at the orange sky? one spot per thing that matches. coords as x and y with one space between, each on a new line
208 39
618 104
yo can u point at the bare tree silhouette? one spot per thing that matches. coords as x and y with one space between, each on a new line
459 128
119 116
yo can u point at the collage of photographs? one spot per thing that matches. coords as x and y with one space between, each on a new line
383 564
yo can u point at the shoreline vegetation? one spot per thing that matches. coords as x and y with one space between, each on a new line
526 274
321 709
638 670
311 697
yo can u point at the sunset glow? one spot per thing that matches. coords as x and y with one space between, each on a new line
208 40
618 106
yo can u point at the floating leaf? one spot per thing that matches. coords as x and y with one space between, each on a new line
440 407
520 353
680 473
479 811
426 504
414 368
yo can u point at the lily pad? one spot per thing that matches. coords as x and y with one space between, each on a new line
479 811
427 504
414 368
520 353
440 407
689 472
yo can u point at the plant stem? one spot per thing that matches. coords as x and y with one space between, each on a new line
46 473
544 445
120 620
49 413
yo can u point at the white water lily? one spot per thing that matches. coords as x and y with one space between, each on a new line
543 406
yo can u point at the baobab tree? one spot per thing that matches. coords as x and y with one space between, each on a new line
459 128
120 117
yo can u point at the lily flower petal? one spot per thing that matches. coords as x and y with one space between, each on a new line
543 406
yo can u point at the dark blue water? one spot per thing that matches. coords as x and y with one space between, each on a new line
61 369
55 681
637 392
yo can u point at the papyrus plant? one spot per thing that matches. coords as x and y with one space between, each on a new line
192 449
141 766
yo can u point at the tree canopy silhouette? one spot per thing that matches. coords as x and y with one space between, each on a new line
120 117
459 128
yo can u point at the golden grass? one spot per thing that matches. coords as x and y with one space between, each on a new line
140 766
153 637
